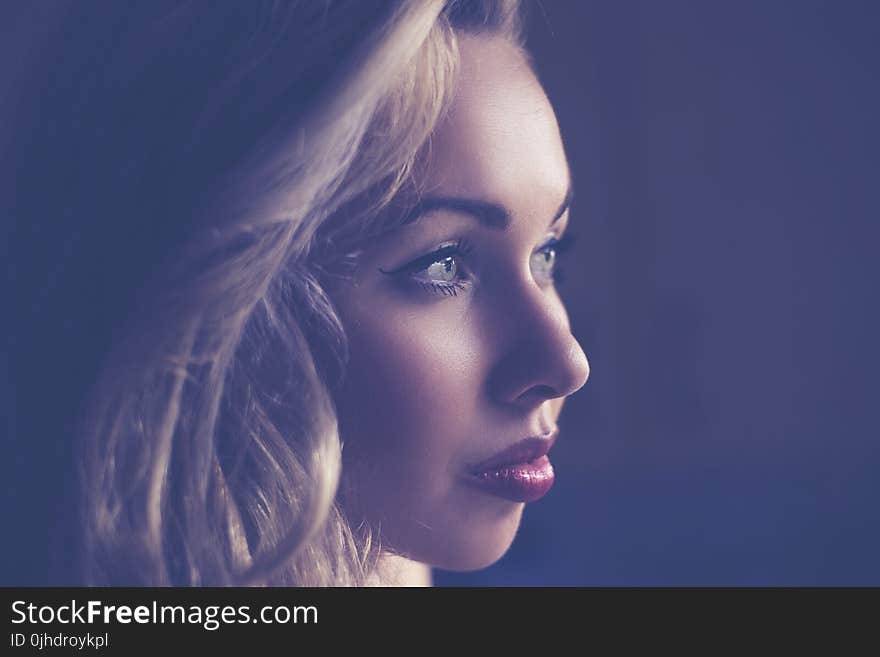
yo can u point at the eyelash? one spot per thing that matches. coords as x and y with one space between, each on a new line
558 244
460 249
446 289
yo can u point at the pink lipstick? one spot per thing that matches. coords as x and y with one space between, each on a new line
520 473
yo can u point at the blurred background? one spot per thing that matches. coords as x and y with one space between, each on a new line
726 158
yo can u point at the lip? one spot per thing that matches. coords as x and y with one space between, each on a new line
519 473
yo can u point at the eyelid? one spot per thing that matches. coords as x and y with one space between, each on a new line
559 244
457 248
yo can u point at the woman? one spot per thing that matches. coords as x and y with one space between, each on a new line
298 258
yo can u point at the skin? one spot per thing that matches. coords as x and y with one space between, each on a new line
446 373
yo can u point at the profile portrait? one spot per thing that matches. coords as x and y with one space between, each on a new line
286 303
342 293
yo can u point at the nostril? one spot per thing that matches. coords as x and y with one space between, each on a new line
538 393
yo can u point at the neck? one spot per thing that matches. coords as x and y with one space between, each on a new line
395 570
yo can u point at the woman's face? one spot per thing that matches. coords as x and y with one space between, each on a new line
460 347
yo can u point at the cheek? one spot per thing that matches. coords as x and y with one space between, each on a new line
408 404
412 412
412 366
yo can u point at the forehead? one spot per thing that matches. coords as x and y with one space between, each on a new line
500 140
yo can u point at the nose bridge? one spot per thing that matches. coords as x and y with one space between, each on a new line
542 359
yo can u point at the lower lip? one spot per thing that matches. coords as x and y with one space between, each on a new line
522 482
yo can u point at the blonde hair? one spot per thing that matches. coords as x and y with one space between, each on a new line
208 450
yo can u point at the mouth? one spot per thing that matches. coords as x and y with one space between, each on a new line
520 473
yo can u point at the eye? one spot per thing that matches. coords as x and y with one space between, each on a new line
439 272
544 261
442 271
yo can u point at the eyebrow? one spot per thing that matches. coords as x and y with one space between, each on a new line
490 214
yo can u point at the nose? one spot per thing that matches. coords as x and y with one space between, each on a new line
542 359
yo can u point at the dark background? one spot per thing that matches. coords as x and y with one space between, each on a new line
725 157
726 165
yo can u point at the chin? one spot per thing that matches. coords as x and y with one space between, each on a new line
476 547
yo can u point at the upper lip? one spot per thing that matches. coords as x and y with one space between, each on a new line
529 449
